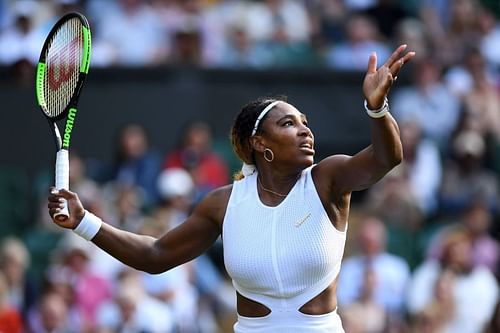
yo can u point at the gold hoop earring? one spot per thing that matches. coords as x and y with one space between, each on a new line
268 151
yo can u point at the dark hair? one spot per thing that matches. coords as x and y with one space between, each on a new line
243 126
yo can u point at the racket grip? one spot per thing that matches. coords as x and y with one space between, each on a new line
62 180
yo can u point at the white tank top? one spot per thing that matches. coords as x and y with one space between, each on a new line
281 256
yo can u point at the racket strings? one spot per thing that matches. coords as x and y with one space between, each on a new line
64 56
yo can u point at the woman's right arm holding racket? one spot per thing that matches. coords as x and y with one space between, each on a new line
180 245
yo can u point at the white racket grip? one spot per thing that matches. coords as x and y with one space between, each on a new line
62 179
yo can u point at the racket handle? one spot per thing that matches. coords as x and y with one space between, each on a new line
62 180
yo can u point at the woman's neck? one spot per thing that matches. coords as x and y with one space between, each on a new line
276 185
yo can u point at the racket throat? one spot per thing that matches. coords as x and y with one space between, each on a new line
57 134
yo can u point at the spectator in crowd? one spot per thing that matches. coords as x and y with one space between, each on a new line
135 33
52 314
462 31
327 22
283 28
236 48
387 14
124 206
465 179
177 189
10 318
471 75
241 52
391 273
21 41
482 101
473 285
278 21
374 315
194 154
196 28
21 291
435 14
394 201
361 38
453 27
428 99
133 310
437 315
476 220
490 37
187 47
412 31
87 289
136 163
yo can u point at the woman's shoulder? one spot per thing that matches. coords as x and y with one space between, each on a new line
214 204
220 193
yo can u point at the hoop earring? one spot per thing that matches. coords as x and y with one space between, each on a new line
268 151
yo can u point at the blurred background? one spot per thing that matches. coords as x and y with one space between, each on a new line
167 79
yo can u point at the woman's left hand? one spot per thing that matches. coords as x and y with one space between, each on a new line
378 82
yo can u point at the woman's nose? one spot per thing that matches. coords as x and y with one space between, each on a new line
305 131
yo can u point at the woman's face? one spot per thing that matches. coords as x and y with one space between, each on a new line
285 131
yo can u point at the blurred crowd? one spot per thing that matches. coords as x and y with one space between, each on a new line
423 254
258 33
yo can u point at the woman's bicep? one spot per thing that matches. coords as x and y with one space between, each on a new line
194 236
346 173
187 241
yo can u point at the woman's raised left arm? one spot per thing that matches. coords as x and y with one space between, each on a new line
350 173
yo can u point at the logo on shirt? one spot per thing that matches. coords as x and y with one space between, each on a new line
299 222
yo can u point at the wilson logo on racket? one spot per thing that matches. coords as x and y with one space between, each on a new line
64 64
69 127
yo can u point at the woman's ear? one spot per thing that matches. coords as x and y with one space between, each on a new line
257 143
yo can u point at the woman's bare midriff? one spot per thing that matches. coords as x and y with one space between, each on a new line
323 303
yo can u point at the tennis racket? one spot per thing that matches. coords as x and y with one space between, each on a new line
60 74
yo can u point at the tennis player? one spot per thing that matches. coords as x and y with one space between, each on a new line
283 221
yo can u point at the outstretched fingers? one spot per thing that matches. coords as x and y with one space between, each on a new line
396 66
395 56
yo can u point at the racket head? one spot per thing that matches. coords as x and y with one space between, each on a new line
63 65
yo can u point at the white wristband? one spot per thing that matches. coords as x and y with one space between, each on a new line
89 226
379 113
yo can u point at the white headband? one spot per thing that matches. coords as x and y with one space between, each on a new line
262 114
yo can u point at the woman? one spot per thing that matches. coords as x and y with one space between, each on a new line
283 224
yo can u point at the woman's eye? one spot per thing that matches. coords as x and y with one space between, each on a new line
288 123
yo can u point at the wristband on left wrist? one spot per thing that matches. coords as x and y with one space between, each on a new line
378 113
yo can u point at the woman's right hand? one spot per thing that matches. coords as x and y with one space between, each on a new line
75 207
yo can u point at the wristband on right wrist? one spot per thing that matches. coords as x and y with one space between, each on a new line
378 113
89 226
